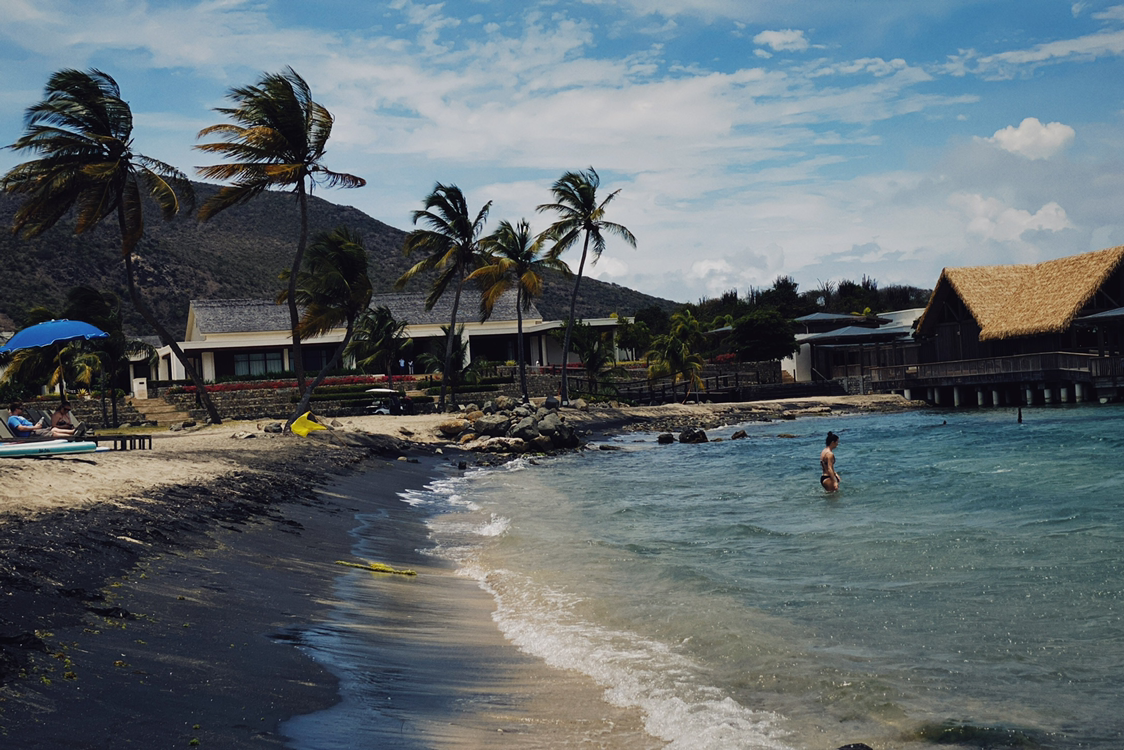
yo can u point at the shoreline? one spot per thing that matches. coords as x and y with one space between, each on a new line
171 577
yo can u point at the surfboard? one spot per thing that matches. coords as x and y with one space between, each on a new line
47 448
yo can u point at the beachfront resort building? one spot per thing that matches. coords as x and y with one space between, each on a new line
227 338
1018 334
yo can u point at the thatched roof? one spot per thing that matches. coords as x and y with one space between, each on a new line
1027 299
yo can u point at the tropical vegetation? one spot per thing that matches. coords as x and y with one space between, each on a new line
333 289
580 216
450 241
515 257
379 340
277 140
82 132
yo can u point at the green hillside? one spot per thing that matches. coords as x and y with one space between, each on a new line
237 254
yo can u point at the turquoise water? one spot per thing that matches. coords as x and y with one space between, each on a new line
964 587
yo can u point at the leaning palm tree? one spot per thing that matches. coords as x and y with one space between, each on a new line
451 244
83 132
515 257
334 289
580 215
277 141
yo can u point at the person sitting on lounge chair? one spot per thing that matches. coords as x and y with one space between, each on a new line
21 427
61 417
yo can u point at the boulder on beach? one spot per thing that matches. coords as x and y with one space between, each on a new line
739 435
452 427
665 438
693 435
492 424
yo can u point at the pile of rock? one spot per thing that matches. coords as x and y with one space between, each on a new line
504 426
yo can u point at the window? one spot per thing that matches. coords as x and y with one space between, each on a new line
257 363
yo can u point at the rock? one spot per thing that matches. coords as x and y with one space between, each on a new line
521 412
452 427
505 403
335 423
274 427
469 408
541 413
462 465
580 404
188 423
176 427
543 444
788 415
609 447
614 404
468 437
474 415
550 424
243 435
494 425
716 440
786 436
693 435
497 445
552 402
564 437
406 432
524 429
739 435
665 438
856 746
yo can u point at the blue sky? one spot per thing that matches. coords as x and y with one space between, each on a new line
824 139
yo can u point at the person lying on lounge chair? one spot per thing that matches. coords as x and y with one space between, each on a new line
21 427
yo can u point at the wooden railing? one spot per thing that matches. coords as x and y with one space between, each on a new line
991 366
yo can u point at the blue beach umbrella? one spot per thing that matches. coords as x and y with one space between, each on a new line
52 332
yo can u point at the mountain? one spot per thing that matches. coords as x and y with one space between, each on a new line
237 254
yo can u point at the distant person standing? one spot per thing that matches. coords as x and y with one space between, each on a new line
829 478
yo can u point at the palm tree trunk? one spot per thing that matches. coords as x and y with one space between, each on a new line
449 347
519 339
306 397
294 313
570 326
165 337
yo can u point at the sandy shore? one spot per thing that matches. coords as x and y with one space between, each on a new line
149 598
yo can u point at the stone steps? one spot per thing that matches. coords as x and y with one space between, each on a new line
158 410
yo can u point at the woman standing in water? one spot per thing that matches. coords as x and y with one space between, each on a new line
828 476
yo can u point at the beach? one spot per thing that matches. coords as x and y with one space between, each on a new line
159 598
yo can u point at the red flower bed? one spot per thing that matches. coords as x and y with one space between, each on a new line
257 385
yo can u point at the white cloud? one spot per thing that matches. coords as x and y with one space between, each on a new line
1032 139
992 219
785 40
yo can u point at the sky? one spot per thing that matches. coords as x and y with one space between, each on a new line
748 139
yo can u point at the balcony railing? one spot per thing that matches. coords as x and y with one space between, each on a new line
1089 364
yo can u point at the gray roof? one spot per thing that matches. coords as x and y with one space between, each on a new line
410 307
239 315
249 315
822 317
858 334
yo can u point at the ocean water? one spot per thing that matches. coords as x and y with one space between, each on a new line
963 589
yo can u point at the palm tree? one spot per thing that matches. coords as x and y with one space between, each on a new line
277 141
597 352
103 310
676 353
83 131
334 289
451 243
378 339
457 369
513 256
580 215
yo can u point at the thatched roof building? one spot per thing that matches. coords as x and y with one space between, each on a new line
1026 300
